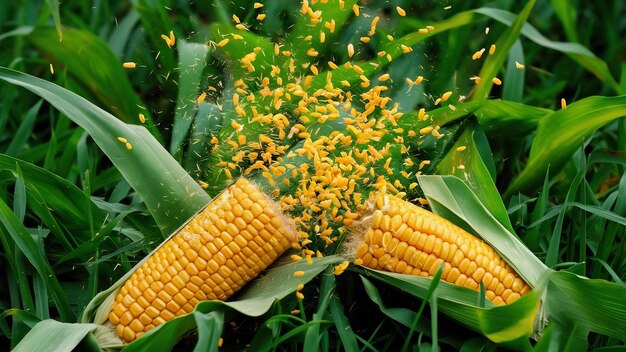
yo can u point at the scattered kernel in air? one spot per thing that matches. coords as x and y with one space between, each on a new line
169 40
476 79
236 19
423 31
142 118
384 77
261 17
486 30
298 273
497 81
122 140
355 9
519 66
430 28
332 65
492 49
311 52
51 69
447 7
406 49
339 269
300 287
203 184
563 103
129 146
314 70
257 5
365 40
299 295
220 342
478 54
446 96
201 97
461 167
127 65
373 26
452 107
401 11
295 312
350 50
461 148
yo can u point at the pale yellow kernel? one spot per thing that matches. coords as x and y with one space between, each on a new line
486 30
355 9
300 287
51 69
311 52
365 39
122 139
220 342
257 5
298 273
563 103
492 49
223 42
142 118
384 77
339 269
129 146
261 17
477 55
125 65
236 19
406 49
422 31
299 295
295 312
519 66
497 81
446 96
401 11
350 50
430 28
461 148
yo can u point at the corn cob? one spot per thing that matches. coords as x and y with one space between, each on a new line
239 234
404 238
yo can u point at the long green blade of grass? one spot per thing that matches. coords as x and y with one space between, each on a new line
172 196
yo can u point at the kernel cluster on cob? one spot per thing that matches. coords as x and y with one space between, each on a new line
404 238
238 235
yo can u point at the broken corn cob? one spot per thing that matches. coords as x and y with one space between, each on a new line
239 234
404 238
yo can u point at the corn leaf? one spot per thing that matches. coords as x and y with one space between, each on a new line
192 63
56 17
559 135
575 51
91 62
53 336
494 62
171 196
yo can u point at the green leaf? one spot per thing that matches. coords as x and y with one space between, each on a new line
92 63
451 196
171 196
56 17
192 63
561 133
53 336
494 62
24 241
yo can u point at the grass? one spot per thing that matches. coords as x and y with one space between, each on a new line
78 211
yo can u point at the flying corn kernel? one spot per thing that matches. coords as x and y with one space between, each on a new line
201 98
129 65
129 146
401 11
492 49
563 103
365 40
350 50
261 17
142 118
355 9
257 5
298 273
339 269
519 66
446 96
223 42
122 140
51 69
477 55
497 81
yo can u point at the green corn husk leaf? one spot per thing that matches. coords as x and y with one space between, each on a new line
512 323
559 135
53 336
451 198
475 172
96 69
172 196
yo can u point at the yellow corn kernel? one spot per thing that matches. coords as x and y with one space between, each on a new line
401 11
210 258
125 65
405 238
